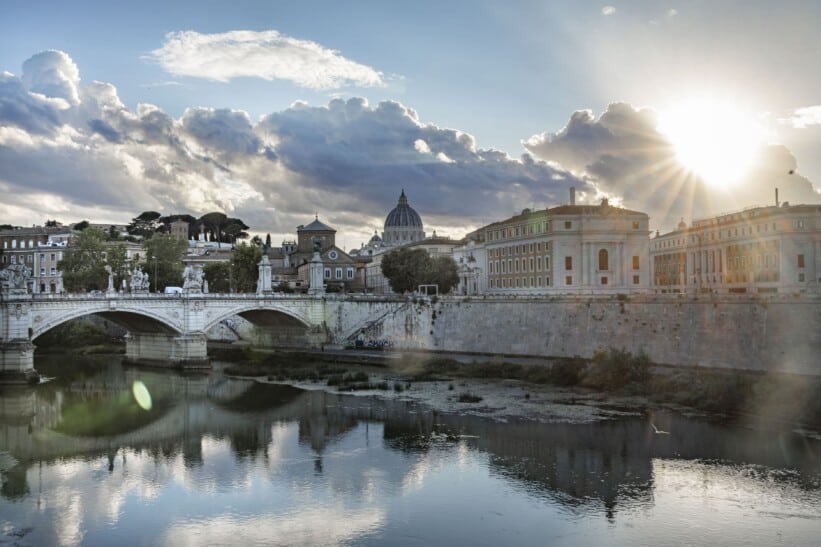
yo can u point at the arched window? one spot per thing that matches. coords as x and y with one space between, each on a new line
603 261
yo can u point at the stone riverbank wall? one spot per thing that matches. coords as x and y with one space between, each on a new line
776 333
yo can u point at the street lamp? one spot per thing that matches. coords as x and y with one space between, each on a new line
156 285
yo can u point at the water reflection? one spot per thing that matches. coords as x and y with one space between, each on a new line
221 460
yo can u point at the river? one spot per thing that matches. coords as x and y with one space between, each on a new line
112 455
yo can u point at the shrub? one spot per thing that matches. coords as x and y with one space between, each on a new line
468 397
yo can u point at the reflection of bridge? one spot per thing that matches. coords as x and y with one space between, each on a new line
171 328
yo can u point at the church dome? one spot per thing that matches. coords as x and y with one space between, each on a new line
403 216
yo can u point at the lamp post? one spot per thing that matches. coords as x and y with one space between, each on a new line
156 285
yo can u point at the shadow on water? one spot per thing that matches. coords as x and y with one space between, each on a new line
91 410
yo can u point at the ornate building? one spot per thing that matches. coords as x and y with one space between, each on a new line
773 249
569 249
402 225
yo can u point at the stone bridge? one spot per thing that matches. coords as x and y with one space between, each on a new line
172 328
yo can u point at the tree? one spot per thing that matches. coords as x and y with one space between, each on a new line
80 226
214 223
193 226
267 241
218 275
234 229
83 265
256 240
443 271
51 223
145 224
169 251
405 268
117 259
245 267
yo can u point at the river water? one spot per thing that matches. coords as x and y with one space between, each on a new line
107 455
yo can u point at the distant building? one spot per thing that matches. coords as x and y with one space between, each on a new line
775 249
569 249
40 249
179 229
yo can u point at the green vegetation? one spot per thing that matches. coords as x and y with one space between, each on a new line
468 397
166 270
218 275
83 265
245 267
406 269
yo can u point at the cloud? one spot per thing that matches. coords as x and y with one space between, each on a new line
628 158
608 10
347 159
802 118
52 74
268 55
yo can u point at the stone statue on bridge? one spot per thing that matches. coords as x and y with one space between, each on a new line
192 279
14 279
139 281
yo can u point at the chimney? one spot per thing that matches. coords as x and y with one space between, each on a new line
572 195
776 198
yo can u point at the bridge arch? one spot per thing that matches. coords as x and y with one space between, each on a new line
267 315
133 320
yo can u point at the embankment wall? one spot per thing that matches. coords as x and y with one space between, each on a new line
774 334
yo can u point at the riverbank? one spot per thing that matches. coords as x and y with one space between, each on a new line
612 384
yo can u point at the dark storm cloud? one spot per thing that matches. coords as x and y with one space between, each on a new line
376 151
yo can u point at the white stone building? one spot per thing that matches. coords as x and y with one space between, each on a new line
775 249
569 249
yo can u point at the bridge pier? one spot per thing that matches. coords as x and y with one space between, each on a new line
188 351
17 362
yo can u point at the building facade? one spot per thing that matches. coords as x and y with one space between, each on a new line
40 249
581 249
775 249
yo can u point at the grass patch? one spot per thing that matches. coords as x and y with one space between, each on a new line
468 397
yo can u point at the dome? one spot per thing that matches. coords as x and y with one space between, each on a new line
375 238
403 216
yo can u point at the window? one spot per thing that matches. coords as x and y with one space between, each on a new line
568 263
568 280
43 256
800 261
567 224
338 273
350 273
53 271
327 273
42 271
604 263
635 224
531 264
14 259
800 278
539 281
635 280
635 263
604 280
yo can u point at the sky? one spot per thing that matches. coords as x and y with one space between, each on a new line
274 112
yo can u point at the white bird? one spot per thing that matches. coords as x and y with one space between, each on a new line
658 431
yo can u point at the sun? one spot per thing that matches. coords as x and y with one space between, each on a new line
715 140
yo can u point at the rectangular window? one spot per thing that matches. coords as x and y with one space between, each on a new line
547 281
42 271
567 224
327 273
568 263
604 280
568 280
43 256
635 263
635 280
52 256
538 263
338 273
53 271
350 273
539 281
635 224
531 282
800 261
531 264
14 259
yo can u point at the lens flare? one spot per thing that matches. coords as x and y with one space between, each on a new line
141 395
